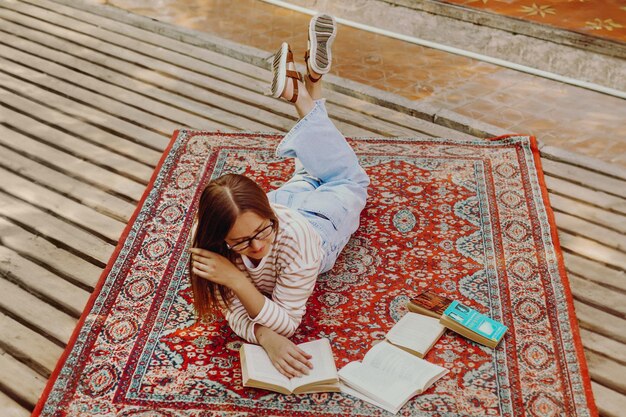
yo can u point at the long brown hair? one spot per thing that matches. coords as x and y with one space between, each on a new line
221 202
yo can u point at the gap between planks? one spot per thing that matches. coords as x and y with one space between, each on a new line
19 382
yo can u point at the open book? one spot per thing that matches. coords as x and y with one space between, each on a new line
388 377
415 333
259 372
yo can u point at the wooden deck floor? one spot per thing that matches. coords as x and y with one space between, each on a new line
87 105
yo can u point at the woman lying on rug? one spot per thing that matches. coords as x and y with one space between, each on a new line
249 244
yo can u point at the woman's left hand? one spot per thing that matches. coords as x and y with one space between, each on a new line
214 267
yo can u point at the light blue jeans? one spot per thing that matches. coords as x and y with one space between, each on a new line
329 187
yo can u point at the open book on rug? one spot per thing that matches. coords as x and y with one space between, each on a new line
258 372
388 377
415 333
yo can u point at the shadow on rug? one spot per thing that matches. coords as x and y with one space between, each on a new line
468 219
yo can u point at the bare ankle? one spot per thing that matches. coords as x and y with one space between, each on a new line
290 84
313 88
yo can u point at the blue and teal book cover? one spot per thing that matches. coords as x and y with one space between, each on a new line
475 321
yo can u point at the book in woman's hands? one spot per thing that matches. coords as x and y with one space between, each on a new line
415 333
388 377
259 372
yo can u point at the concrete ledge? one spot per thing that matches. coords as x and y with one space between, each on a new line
515 25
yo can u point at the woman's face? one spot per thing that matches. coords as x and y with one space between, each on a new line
250 225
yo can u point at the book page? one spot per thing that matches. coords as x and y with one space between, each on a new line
346 389
384 388
323 363
260 366
416 332
401 364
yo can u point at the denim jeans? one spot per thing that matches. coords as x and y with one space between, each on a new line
329 187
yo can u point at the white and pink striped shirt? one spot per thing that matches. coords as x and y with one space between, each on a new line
286 276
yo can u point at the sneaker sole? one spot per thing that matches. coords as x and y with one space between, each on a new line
322 32
279 71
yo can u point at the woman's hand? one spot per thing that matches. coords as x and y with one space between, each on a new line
286 357
215 268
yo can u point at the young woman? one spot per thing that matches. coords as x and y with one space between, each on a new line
256 256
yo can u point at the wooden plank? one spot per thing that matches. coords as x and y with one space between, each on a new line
610 403
601 322
377 127
78 168
163 106
177 65
19 381
412 125
62 207
585 177
99 118
210 99
173 83
591 231
47 285
10 408
59 232
127 48
80 129
67 186
81 149
585 195
96 100
598 296
57 260
606 372
28 346
593 214
153 37
592 250
604 345
175 97
583 161
36 313
593 271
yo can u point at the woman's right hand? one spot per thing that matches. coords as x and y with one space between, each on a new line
286 357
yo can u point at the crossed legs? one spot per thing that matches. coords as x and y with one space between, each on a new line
288 84
308 92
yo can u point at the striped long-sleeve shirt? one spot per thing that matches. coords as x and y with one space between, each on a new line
286 276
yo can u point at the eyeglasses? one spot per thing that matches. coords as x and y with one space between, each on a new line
260 235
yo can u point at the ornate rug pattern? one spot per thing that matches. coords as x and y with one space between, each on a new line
469 219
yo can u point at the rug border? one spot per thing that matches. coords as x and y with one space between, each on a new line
582 361
94 295
122 240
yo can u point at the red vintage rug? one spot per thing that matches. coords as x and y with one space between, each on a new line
469 219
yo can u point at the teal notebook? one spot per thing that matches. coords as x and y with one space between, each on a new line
475 321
